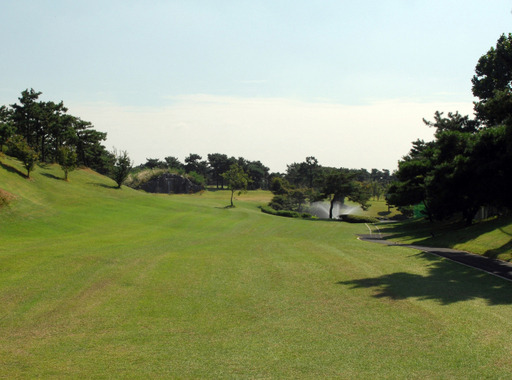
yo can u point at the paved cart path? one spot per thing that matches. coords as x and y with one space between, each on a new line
496 267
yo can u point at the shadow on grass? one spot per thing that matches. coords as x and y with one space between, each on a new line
12 169
444 234
103 185
446 282
225 207
52 176
494 253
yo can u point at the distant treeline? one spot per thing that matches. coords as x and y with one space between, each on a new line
303 183
306 174
42 131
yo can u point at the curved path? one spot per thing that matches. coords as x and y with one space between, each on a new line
495 267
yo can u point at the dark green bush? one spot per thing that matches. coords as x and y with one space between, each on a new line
285 213
279 202
358 219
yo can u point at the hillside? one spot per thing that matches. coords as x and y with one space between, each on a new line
113 283
491 238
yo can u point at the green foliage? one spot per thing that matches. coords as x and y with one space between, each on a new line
121 168
197 178
139 175
193 164
154 163
19 148
219 164
237 180
279 186
7 128
67 160
46 127
467 166
492 83
358 219
286 213
173 163
337 185
463 169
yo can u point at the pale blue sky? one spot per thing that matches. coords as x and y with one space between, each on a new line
276 81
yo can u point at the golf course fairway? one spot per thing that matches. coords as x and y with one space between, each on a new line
99 282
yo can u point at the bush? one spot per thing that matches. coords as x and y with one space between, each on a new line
18 147
285 213
279 202
137 176
358 219
196 178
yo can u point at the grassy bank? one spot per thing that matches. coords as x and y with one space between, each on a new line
108 283
492 238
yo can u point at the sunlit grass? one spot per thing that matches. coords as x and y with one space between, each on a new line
491 238
108 283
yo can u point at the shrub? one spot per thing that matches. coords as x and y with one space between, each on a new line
196 178
358 219
137 177
279 202
285 213
19 148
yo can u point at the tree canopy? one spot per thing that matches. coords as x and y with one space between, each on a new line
468 165
46 127
237 180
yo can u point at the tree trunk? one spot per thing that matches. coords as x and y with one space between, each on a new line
332 206
232 192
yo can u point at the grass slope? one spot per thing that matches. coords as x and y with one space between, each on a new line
492 238
105 283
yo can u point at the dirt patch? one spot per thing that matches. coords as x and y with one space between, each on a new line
6 197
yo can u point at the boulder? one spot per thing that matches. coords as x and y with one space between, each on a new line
168 183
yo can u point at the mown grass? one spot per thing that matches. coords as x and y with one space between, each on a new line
492 238
97 282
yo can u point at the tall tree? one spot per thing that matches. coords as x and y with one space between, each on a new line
337 185
7 127
492 83
89 148
26 115
153 163
310 168
258 174
173 163
219 164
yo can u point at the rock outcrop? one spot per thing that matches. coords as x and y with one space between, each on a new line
168 183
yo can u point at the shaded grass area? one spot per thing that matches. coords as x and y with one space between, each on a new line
108 283
492 238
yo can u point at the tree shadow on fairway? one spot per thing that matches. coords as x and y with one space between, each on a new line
494 253
447 282
52 176
103 185
12 169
